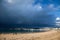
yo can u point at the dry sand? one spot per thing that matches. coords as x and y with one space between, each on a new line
50 35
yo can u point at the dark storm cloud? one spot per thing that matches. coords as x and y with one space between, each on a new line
25 11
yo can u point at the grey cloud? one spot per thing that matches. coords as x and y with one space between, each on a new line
21 11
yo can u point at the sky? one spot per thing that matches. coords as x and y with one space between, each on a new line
29 11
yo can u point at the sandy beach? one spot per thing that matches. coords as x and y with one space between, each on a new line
49 35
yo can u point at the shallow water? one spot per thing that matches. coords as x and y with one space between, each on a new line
20 31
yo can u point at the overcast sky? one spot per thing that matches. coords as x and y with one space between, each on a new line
29 11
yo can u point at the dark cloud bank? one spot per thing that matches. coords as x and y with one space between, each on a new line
24 13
